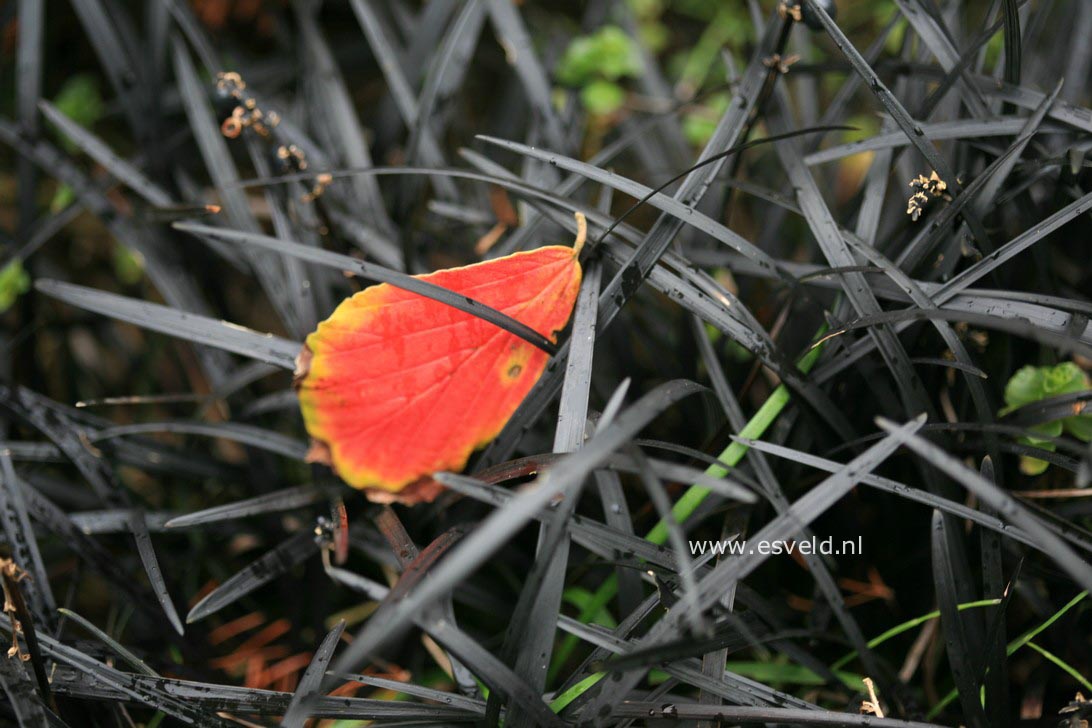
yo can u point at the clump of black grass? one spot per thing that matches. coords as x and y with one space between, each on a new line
838 292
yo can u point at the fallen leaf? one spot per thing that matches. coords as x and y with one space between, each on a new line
394 387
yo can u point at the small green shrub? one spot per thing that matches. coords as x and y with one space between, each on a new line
1032 384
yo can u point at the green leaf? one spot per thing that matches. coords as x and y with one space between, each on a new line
578 64
607 54
128 266
654 35
1032 466
62 198
79 99
700 123
1032 384
1050 429
1035 466
1025 387
729 28
14 282
1066 378
1080 427
645 9
617 54
602 97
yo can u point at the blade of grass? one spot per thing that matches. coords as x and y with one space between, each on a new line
957 638
519 51
88 550
22 699
277 501
898 113
743 715
1064 342
135 662
23 543
913 494
28 91
729 686
170 321
994 670
259 572
937 131
1013 51
257 437
712 586
333 97
1013 646
300 707
122 170
999 500
379 274
502 524
533 627
418 691
692 498
37 412
909 625
1069 669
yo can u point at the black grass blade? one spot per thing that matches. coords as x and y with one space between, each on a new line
246 434
259 572
712 586
504 523
281 500
1006 506
1013 52
19 533
957 640
309 684
600 561
198 329
381 275
44 416
24 701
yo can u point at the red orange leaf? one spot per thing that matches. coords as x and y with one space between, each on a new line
394 387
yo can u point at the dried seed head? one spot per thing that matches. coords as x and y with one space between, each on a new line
927 189
232 127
